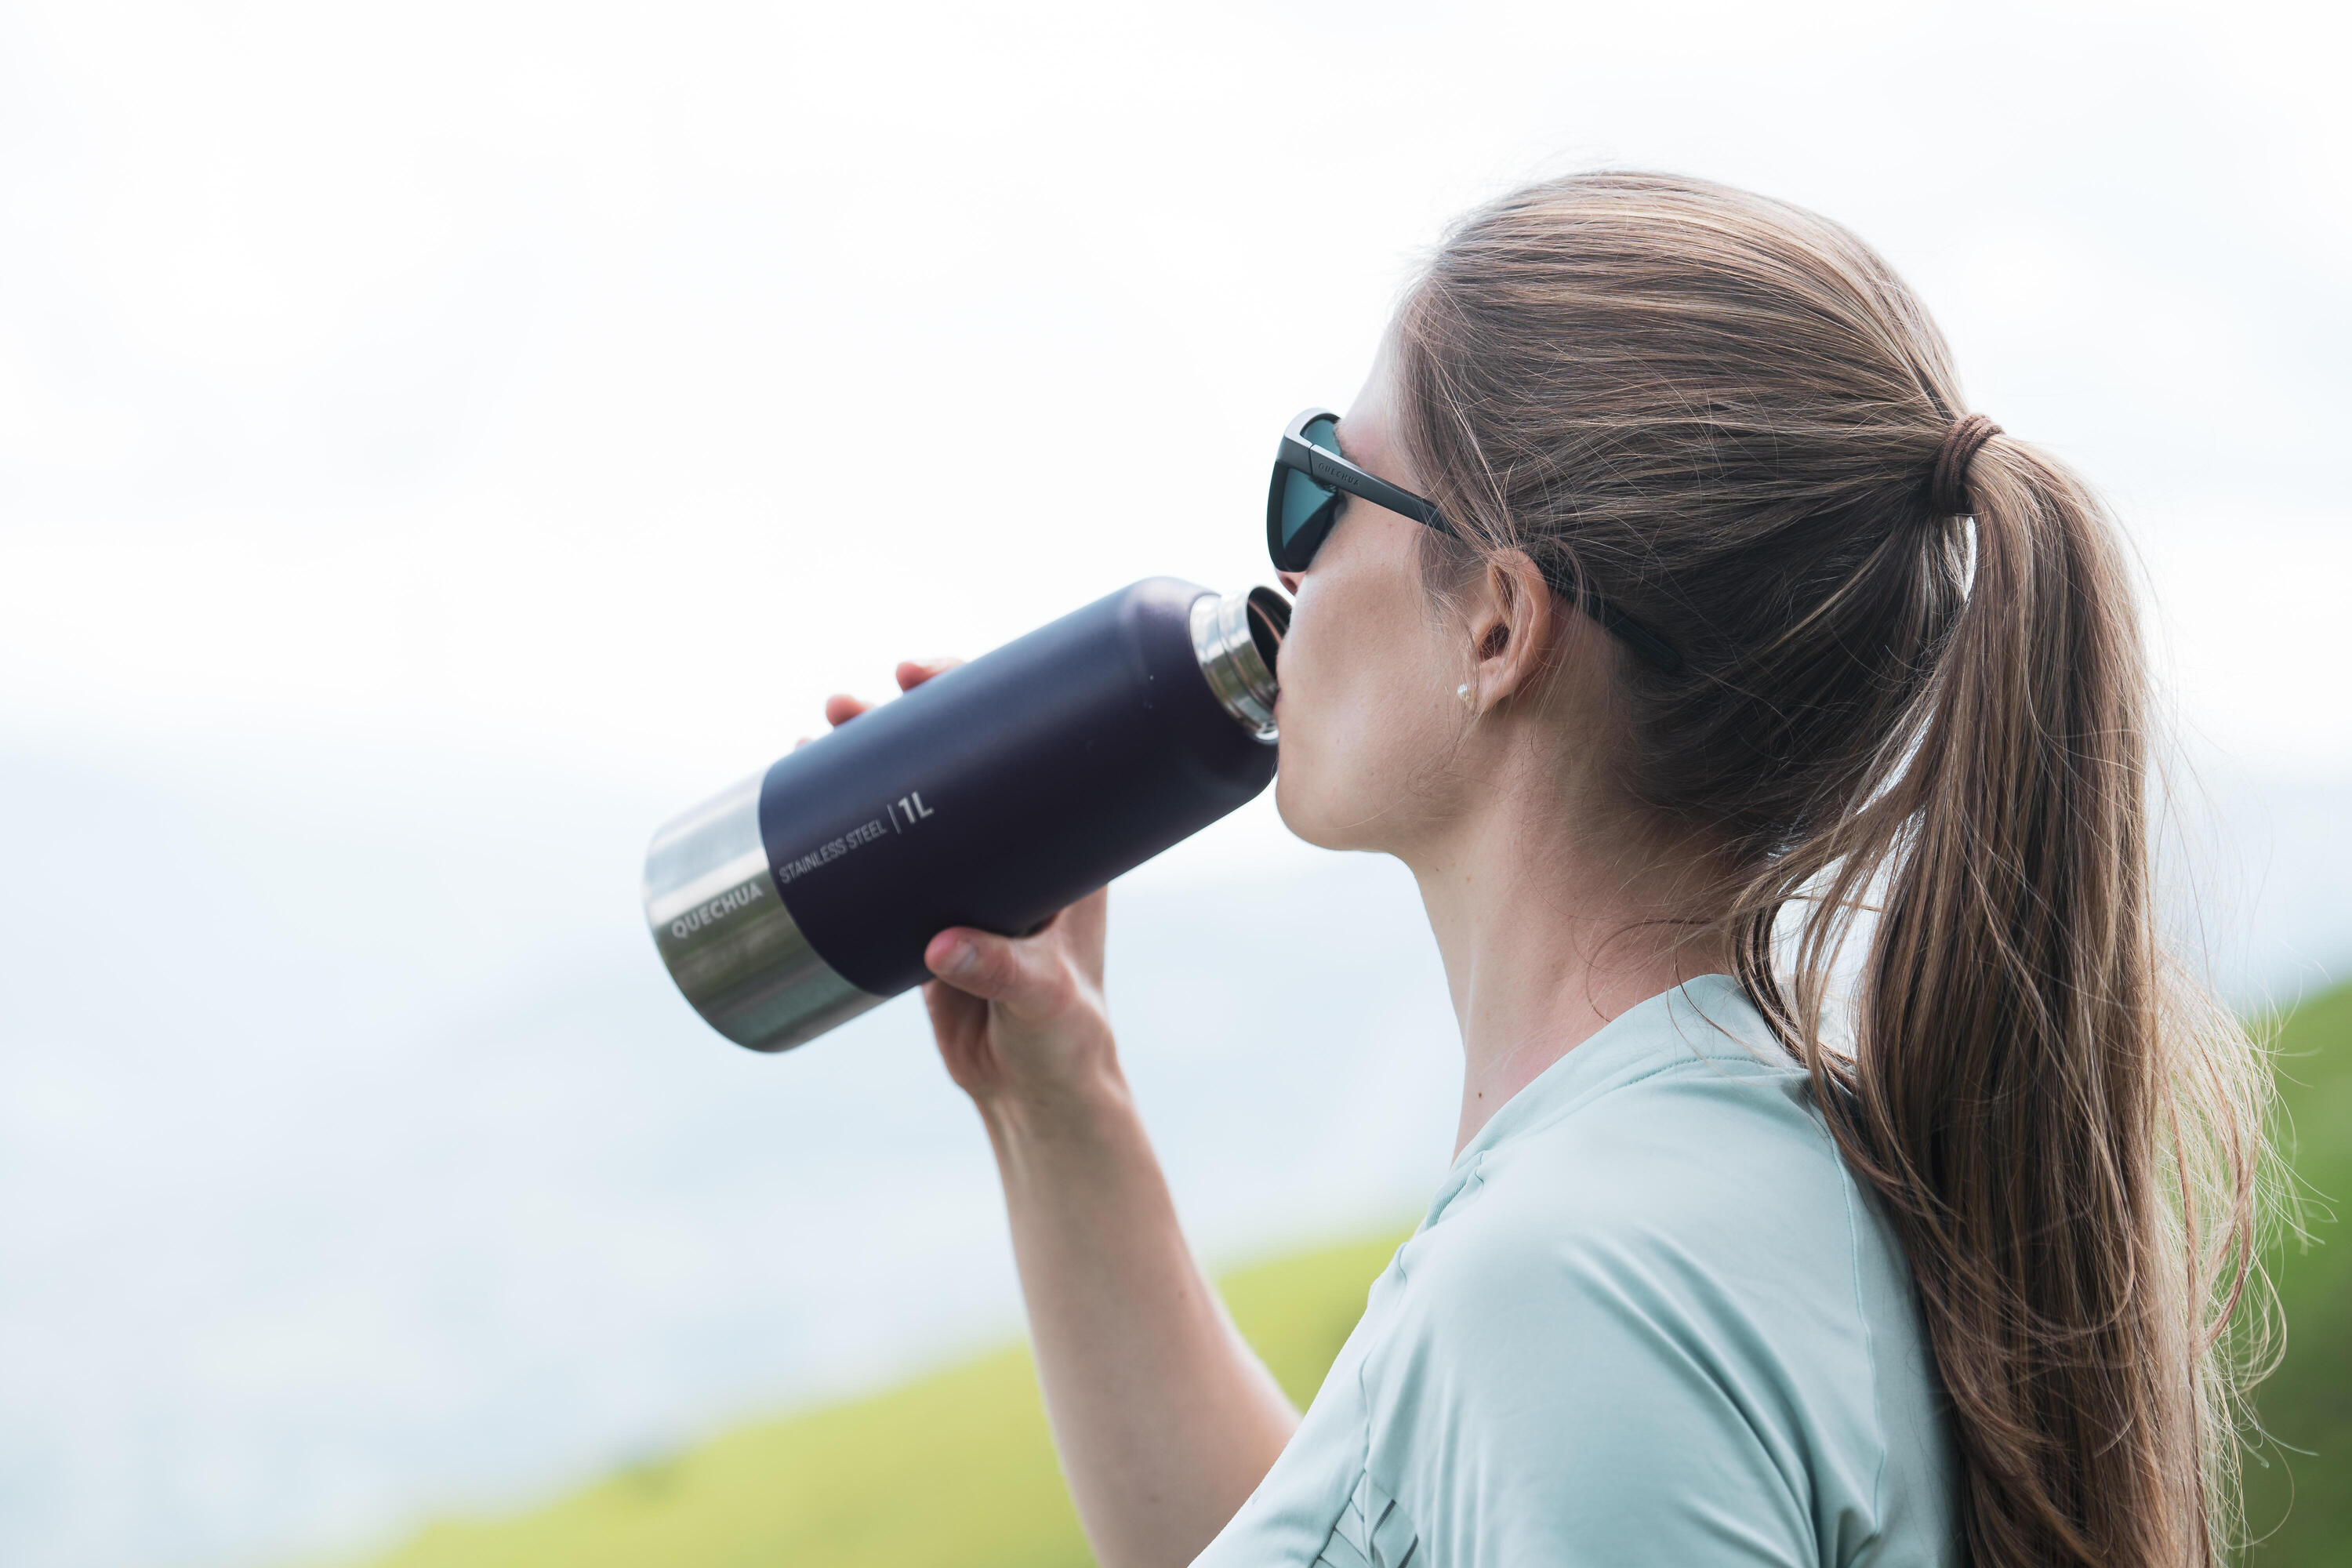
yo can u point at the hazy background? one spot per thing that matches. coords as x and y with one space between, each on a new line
437 441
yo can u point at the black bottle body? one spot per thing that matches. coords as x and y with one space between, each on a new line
991 796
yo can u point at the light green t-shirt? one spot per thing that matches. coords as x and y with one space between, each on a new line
1651 1318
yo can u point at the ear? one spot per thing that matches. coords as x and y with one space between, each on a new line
1513 622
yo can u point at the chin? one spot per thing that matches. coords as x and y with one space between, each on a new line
1291 805
1305 816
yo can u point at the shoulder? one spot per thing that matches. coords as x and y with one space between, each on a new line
1662 1290
1698 1217
1714 1167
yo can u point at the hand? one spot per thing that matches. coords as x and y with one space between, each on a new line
1020 1021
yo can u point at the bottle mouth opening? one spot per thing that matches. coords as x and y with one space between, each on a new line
1269 623
1238 640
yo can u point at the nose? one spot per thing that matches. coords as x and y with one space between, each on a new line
1289 581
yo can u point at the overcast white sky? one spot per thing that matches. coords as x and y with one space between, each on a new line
603 383
435 440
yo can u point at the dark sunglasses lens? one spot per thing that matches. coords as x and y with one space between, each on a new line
1306 509
1307 506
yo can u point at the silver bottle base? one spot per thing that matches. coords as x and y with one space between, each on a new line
726 937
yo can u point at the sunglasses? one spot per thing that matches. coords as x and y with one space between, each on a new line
1312 482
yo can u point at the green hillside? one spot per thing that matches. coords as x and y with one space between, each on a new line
957 1469
2307 1405
954 1470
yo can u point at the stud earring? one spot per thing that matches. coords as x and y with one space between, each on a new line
1463 692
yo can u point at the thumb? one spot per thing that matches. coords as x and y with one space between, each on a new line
1019 975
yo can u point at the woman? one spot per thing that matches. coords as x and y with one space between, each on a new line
1670 616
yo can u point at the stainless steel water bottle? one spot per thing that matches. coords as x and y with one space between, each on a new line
992 795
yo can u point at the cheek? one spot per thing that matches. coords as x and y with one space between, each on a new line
1358 719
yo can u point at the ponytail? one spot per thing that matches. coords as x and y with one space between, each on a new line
1911 716
2026 1093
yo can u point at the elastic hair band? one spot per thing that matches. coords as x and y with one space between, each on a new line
1948 492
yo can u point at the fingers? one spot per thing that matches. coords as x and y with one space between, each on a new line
1026 978
841 708
913 672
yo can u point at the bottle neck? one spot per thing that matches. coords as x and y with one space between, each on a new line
1237 638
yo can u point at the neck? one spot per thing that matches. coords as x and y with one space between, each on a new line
1547 933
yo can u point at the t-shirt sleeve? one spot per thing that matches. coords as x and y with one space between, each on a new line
1588 1402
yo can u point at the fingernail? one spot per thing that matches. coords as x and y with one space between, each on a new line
963 959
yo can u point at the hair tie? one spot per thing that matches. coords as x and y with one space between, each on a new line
1948 492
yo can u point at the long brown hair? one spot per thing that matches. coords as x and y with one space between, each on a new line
1919 733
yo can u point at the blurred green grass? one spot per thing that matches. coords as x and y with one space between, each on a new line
957 1469
2299 1485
